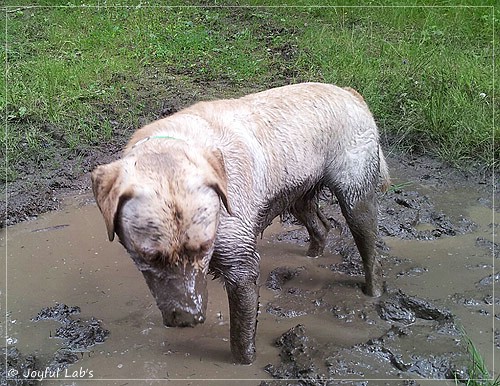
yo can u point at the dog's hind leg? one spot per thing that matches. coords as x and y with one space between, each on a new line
361 217
308 213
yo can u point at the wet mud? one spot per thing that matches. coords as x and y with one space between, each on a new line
77 337
15 363
87 309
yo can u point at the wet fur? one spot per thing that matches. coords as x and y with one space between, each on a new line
257 156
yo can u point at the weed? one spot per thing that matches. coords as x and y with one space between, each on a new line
478 371
400 186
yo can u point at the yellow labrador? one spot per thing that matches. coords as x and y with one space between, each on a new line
193 190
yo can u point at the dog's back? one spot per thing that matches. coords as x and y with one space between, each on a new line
280 143
291 138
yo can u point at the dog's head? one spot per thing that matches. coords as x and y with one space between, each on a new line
165 210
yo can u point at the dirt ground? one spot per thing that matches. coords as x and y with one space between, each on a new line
413 331
40 185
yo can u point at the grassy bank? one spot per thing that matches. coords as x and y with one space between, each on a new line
79 76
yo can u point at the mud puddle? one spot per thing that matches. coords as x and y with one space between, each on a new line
315 324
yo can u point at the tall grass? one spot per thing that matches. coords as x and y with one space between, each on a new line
426 72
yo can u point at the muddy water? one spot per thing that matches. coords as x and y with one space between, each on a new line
64 257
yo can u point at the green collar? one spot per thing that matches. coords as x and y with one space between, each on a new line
153 137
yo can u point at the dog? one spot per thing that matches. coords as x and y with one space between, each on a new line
193 190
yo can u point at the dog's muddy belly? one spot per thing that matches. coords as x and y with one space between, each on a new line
347 334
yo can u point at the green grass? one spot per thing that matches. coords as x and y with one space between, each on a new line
77 73
478 373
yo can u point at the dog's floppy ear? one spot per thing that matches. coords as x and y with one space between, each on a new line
109 191
218 181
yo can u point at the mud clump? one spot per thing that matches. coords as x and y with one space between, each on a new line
415 271
283 313
298 361
298 236
60 313
489 280
78 337
62 358
14 366
405 309
494 248
405 213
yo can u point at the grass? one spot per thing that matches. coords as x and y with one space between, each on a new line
478 371
79 75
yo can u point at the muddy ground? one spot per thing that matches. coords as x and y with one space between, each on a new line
315 325
45 177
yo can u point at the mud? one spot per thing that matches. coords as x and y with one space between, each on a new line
301 355
406 212
315 325
15 363
399 307
304 359
308 362
279 276
60 312
77 336
297 353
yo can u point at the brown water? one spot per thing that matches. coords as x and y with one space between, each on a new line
65 257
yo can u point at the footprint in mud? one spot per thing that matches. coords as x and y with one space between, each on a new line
279 276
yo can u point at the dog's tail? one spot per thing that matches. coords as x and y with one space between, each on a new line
356 94
385 179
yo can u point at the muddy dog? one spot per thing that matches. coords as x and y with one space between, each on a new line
193 190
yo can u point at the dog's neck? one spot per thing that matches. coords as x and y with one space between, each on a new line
141 141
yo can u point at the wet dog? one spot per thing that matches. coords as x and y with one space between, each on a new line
193 190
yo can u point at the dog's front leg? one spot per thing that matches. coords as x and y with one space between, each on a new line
243 305
238 264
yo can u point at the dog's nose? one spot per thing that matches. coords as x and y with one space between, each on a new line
181 318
